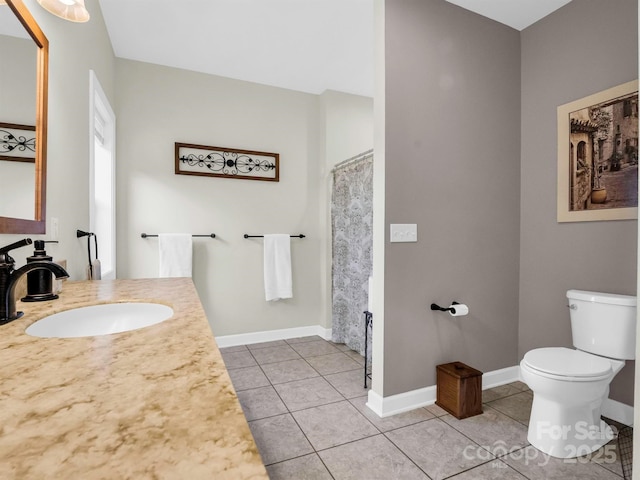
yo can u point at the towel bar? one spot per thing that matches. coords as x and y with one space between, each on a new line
261 236
145 235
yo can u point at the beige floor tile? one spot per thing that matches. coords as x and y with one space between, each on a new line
279 439
492 430
374 458
341 346
273 343
312 349
516 406
335 424
307 393
436 410
495 470
312 338
238 359
248 377
535 465
356 357
350 384
237 348
275 354
346 433
309 467
394 421
495 393
289 371
333 363
438 449
261 403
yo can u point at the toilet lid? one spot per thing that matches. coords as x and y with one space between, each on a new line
567 362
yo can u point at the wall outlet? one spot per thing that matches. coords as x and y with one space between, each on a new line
404 232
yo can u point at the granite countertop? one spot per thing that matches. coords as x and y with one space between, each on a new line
152 403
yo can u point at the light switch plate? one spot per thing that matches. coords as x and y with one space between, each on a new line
404 232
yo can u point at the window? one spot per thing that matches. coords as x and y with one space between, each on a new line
102 173
582 155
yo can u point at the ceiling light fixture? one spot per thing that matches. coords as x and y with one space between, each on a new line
73 10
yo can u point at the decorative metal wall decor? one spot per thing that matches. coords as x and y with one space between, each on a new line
226 162
598 156
17 142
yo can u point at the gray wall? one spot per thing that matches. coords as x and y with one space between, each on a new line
471 157
583 48
452 167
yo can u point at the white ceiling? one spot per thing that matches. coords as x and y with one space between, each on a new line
518 14
304 45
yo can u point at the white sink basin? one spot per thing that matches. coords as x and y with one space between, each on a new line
100 320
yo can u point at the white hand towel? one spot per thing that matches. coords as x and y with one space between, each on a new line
277 267
175 254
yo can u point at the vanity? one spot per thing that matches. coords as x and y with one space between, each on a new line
156 402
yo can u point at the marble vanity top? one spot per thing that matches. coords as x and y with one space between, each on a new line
152 403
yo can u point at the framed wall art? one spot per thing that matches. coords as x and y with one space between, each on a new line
17 142
226 162
598 156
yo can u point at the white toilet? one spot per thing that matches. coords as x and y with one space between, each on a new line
569 386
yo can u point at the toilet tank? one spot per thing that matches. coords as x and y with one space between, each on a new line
603 323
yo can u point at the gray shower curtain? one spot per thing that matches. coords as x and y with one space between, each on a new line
352 225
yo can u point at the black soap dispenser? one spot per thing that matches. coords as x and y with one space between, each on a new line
39 282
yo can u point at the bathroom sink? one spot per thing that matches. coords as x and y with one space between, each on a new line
100 320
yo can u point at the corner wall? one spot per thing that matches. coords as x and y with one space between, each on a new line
452 167
581 49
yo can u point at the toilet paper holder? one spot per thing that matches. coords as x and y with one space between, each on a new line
442 309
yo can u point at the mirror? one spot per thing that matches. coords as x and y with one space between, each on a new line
24 53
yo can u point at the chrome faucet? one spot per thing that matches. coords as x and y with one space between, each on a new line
9 277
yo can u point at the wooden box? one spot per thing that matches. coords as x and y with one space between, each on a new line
459 389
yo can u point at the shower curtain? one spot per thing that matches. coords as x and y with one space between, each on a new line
352 224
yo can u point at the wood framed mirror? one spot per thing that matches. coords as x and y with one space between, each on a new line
14 219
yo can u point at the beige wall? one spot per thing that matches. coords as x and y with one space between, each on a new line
158 106
346 131
452 167
348 125
564 58
74 50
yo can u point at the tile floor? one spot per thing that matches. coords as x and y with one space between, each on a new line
305 403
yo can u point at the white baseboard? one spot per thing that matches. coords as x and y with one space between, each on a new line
422 397
503 376
270 335
618 411
402 402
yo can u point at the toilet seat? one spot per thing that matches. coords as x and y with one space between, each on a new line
566 363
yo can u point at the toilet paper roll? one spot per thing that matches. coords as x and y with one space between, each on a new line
458 310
